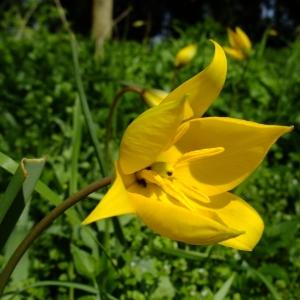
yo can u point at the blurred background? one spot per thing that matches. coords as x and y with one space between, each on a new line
159 16
56 55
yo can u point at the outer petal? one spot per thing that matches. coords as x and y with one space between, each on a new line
203 88
178 223
244 40
115 202
245 143
149 134
232 38
237 214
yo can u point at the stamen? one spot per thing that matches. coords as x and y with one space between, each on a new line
193 156
168 187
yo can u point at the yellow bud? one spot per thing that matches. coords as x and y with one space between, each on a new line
153 97
185 55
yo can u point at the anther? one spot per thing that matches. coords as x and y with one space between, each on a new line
142 182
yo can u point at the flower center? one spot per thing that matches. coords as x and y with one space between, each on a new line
161 175
163 169
154 173
181 191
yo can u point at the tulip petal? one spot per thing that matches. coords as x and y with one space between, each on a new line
245 143
232 38
244 40
147 136
203 88
115 202
238 214
178 223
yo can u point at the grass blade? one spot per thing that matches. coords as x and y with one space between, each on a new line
76 143
267 283
223 291
7 163
84 104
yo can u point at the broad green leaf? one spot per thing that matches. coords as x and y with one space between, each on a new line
17 195
21 229
223 291
11 166
12 192
34 168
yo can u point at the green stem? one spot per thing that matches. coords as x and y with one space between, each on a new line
82 97
113 108
40 227
83 100
85 107
174 77
97 287
262 45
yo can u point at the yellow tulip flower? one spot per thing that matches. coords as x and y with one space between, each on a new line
185 55
175 169
154 97
240 44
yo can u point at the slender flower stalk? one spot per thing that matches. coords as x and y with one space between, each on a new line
40 227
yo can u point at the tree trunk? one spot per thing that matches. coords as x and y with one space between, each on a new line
102 22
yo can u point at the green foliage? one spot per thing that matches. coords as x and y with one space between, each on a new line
40 116
18 194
